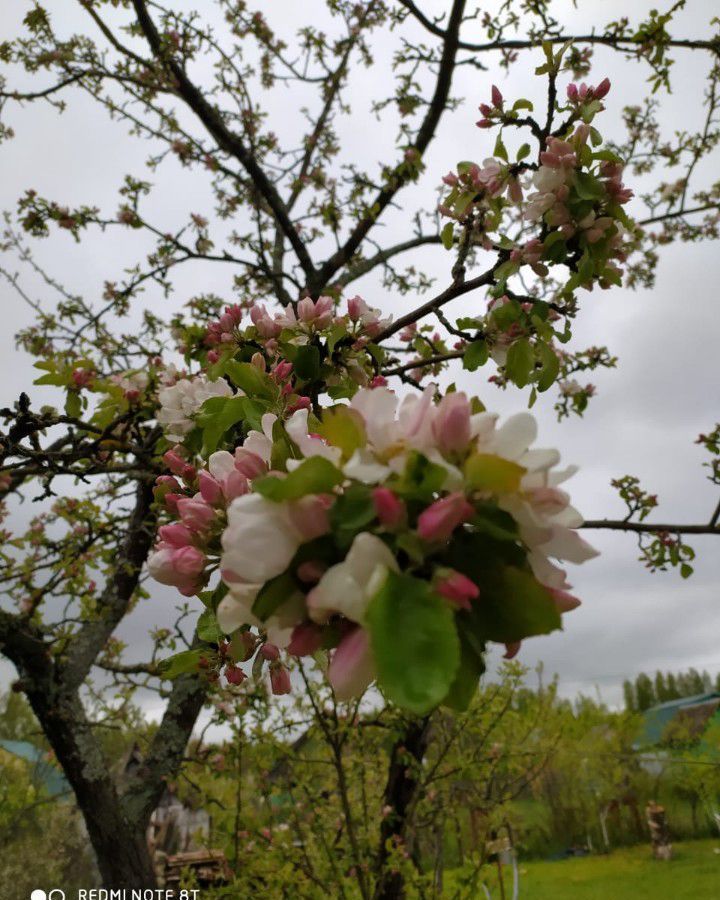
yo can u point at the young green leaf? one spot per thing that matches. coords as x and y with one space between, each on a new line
414 642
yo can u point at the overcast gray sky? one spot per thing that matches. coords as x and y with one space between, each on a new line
646 415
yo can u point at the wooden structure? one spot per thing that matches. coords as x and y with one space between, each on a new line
209 867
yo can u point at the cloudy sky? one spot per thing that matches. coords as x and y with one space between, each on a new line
646 415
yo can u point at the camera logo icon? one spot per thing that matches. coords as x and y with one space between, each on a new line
54 894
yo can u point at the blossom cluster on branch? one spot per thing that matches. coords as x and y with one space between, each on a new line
402 535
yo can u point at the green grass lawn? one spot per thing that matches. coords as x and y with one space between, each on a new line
628 874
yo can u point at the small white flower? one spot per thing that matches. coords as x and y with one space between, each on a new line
348 587
180 402
260 539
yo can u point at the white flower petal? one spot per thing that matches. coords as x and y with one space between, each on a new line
259 541
363 467
514 436
568 545
235 609
221 464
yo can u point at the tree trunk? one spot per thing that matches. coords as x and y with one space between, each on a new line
120 845
399 798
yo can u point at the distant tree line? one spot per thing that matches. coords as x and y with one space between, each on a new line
647 691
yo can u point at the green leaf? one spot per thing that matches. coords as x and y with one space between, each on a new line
217 415
446 235
307 362
211 599
522 103
487 472
500 149
273 594
208 629
523 152
550 366
512 605
465 684
343 427
353 510
414 643
283 448
250 379
686 570
181 663
520 362
73 404
494 522
588 187
315 475
337 333
476 355
506 314
421 478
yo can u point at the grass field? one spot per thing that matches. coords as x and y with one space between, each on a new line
628 874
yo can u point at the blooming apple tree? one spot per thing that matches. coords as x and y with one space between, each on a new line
287 450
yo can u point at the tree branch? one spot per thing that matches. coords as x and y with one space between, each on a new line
167 749
615 42
426 133
456 289
229 141
650 528
363 266
84 647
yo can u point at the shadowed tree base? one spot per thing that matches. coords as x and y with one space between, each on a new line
400 796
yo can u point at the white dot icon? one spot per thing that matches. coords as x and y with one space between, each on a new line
38 895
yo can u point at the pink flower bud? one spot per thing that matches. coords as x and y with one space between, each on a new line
174 462
282 371
210 488
497 97
302 402
176 534
235 485
235 674
306 310
352 668
213 356
168 481
270 652
389 507
572 92
307 638
195 513
311 571
602 89
280 680
82 377
565 602
310 516
171 501
249 464
451 423
379 381
356 307
188 561
512 650
441 518
458 589
323 311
